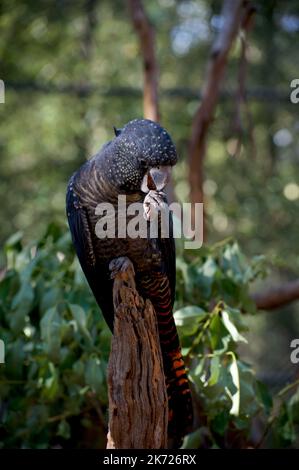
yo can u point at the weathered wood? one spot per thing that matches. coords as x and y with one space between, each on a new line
138 409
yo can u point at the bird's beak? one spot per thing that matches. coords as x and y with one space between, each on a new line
156 179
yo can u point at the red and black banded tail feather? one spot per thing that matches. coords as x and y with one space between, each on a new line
180 410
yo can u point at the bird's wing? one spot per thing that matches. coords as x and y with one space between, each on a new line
98 279
80 230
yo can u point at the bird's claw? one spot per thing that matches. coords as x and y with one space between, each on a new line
154 202
122 267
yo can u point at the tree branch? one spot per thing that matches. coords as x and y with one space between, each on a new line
241 96
138 406
146 36
231 19
277 296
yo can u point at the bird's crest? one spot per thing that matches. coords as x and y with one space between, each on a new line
117 131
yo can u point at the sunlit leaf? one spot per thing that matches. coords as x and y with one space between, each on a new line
236 336
235 397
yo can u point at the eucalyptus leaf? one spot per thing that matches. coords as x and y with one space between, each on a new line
93 374
236 336
214 370
191 312
192 440
80 318
51 325
235 397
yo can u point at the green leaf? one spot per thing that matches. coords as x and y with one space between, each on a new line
206 276
188 318
64 429
14 242
50 298
235 397
94 375
236 336
250 402
23 298
191 312
192 440
218 335
197 374
80 318
220 422
51 384
214 370
233 263
264 395
21 305
51 326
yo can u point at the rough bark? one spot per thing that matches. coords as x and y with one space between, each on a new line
138 409
232 16
146 37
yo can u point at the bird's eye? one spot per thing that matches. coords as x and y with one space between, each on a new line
158 167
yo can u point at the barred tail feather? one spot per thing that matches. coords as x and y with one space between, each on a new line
179 397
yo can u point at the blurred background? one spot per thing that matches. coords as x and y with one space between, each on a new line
73 70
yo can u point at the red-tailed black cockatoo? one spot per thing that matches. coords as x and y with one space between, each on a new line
135 163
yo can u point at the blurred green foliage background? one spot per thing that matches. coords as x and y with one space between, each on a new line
72 70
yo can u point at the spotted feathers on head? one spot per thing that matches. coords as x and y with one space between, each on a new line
138 146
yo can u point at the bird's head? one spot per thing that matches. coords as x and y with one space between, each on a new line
143 156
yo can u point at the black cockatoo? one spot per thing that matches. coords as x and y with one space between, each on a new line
136 162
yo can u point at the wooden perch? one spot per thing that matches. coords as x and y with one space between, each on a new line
138 406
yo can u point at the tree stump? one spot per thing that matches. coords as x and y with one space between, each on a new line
138 405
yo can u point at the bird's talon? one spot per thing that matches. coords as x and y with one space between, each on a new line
120 265
153 203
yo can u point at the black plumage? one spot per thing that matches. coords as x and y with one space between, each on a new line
118 169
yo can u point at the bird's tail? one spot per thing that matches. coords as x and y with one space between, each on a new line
180 410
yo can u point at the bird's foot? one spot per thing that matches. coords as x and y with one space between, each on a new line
154 202
121 267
